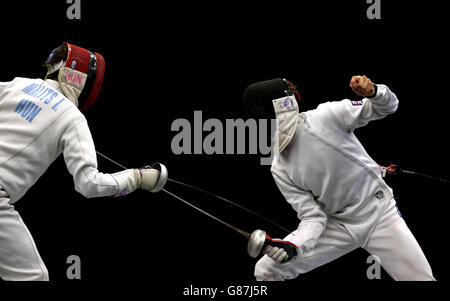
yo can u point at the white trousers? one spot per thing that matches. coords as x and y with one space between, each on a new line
392 241
19 258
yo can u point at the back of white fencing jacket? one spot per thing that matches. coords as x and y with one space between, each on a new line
37 123
325 173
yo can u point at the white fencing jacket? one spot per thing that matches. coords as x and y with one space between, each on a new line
37 124
325 172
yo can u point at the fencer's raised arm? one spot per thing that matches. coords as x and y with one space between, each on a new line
353 114
81 160
313 219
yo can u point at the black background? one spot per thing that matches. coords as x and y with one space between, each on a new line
166 60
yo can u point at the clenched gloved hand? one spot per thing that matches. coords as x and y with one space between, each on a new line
275 253
150 178
278 250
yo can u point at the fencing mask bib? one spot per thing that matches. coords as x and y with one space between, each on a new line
287 117
80 74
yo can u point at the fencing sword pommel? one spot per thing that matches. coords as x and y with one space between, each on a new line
256 243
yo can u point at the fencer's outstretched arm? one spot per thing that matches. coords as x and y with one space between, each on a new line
353 114
313 219
81 160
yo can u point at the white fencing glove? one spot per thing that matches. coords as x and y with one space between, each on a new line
150 178
278 250
153 178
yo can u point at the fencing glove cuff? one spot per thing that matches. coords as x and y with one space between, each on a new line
127 181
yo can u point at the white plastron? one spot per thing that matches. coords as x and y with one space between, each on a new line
286 114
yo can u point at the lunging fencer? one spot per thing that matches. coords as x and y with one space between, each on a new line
335 187
39 120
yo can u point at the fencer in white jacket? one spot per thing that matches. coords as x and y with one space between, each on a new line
337 189
38 122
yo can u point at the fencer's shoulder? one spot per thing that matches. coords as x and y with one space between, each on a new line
20 78
325 118
22 81
15 80
70 122
73 114
25 79
277 168
70 118
325 106
318 111
320 115
275 165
